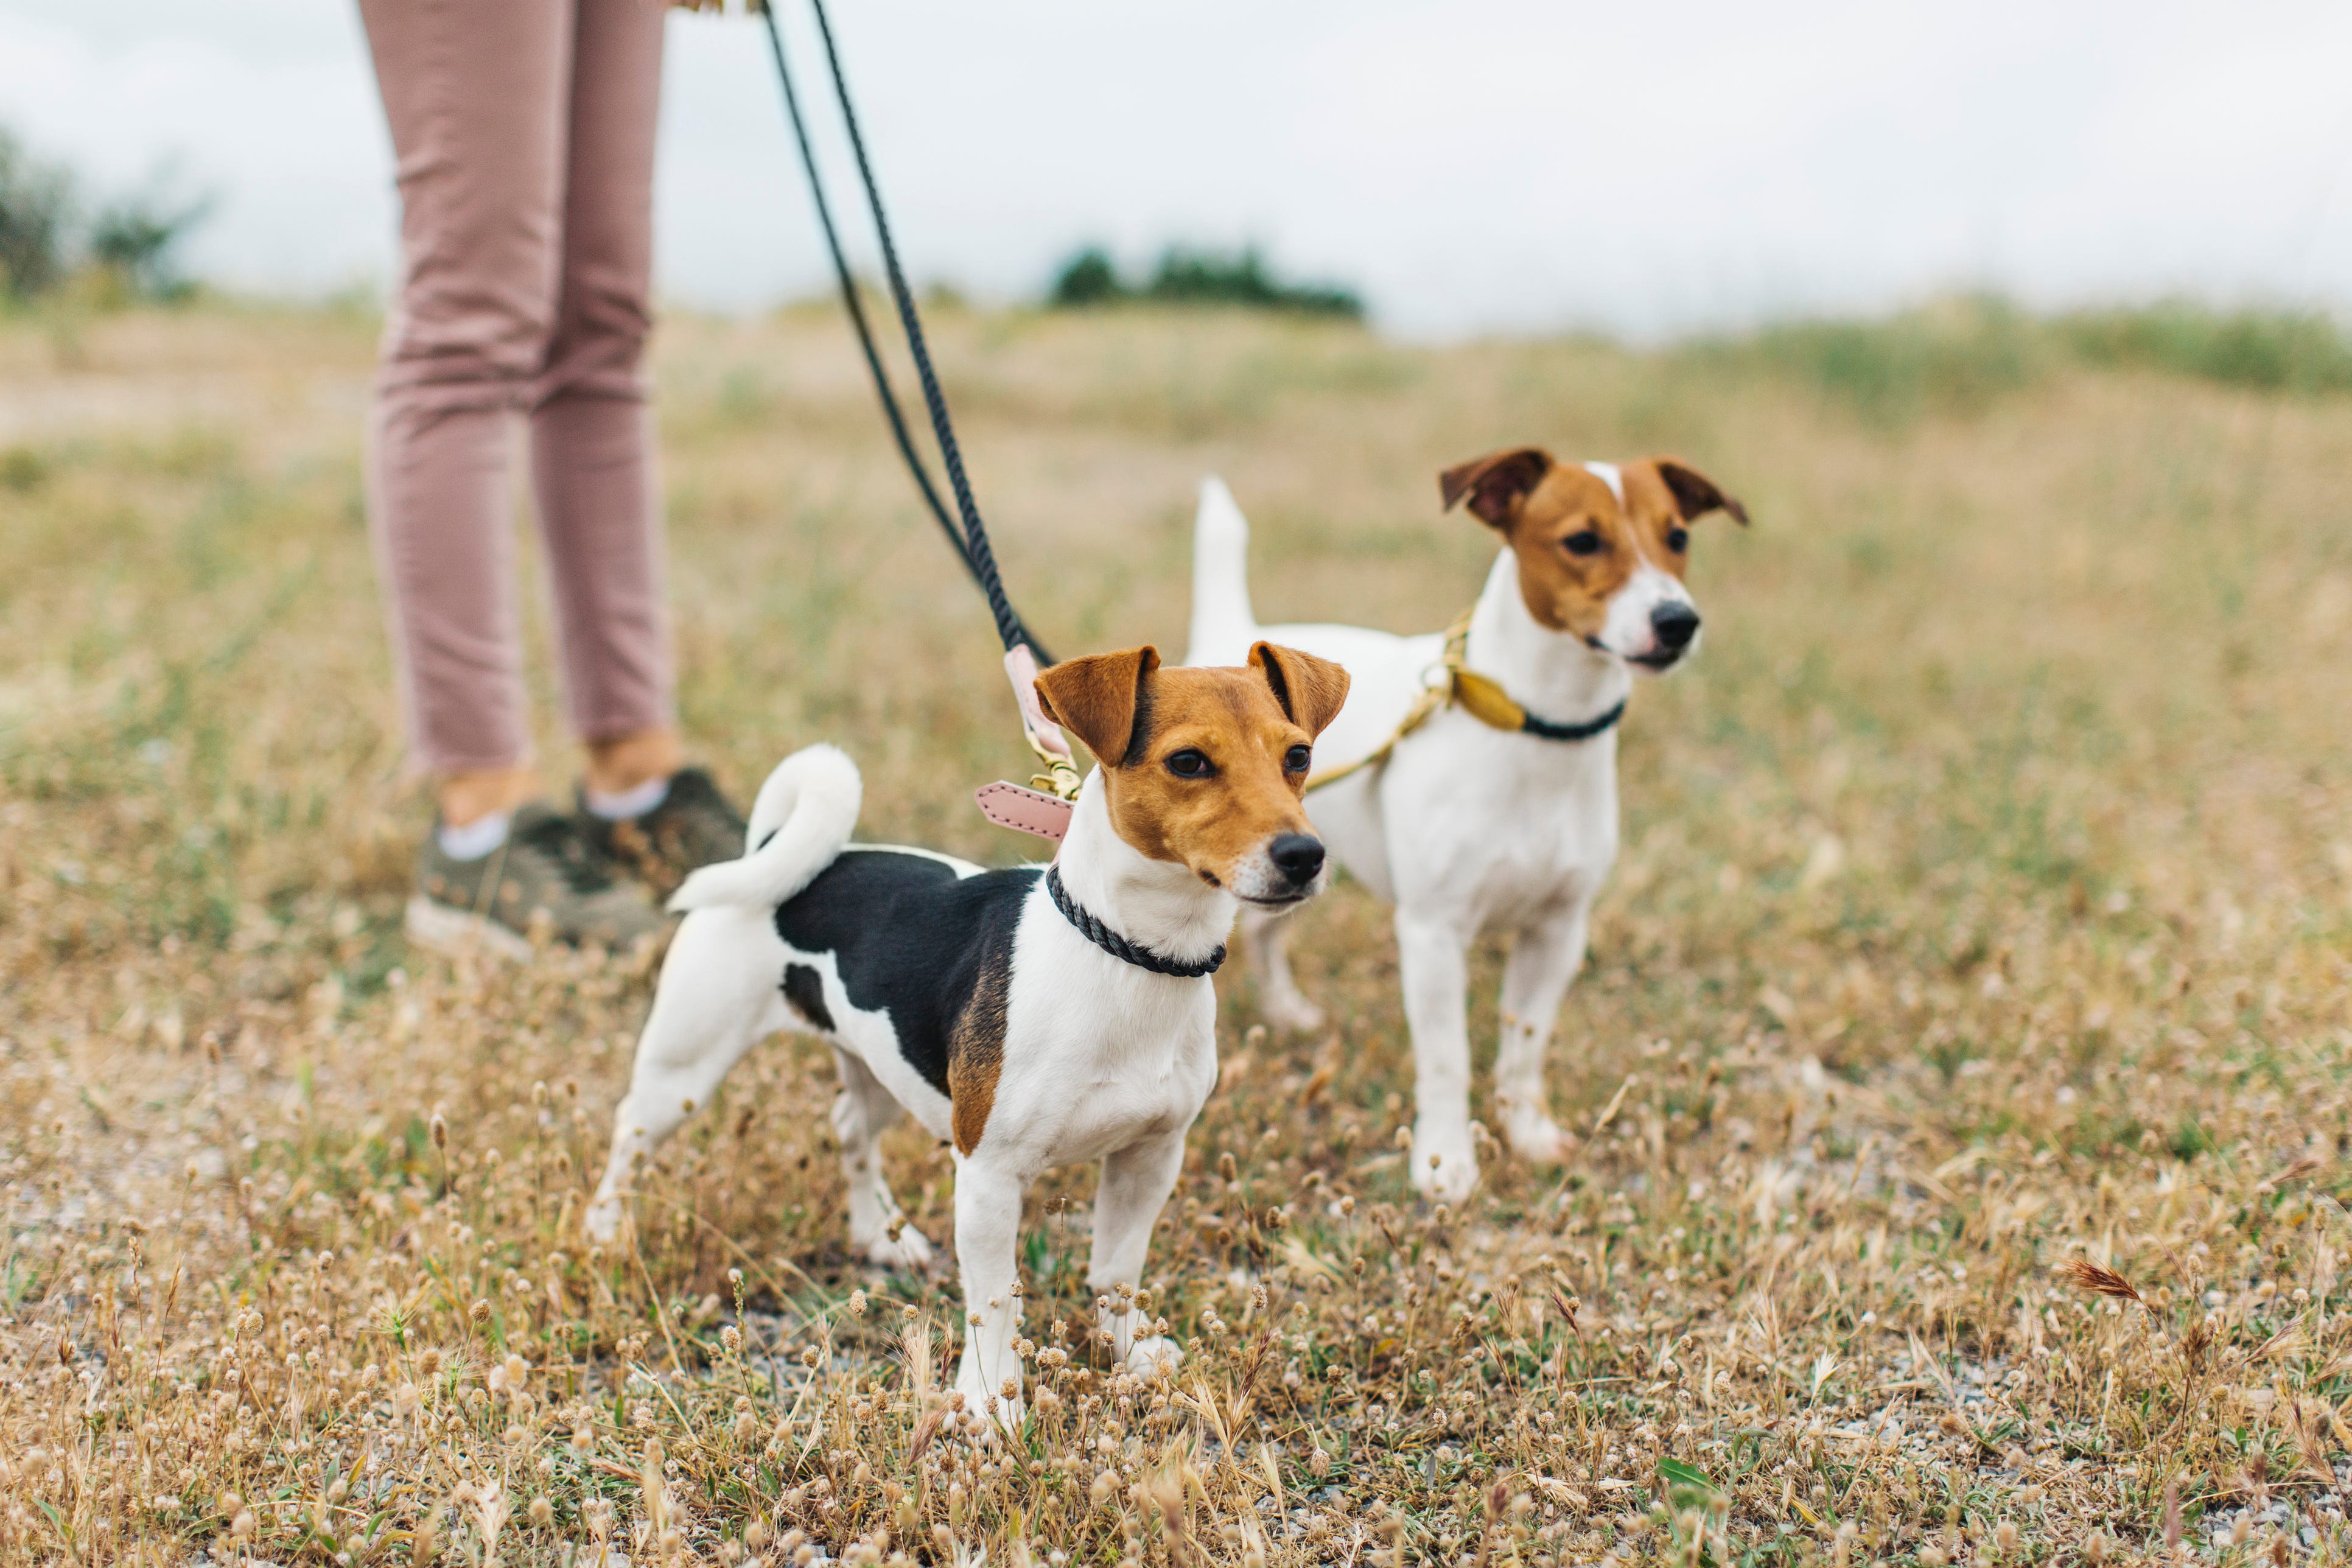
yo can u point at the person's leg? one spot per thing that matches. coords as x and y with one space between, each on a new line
477 103
593 472
590 428
477 97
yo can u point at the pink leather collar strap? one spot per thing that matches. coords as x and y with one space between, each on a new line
1025 810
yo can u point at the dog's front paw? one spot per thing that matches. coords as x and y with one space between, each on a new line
603 1221
910 1251
1443 1168
1156 1356
1538 1138
1290 1009
1004 1413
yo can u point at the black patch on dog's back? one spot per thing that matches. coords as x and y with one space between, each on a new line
804 989
909 938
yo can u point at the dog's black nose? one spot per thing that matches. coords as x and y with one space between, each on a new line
1673 623
1298 855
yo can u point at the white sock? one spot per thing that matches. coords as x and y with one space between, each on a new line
629 803
474 840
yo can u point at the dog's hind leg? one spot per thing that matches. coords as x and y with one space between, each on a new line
716 999
1431 964
1134 1188
1536 978
1266 938
862 1112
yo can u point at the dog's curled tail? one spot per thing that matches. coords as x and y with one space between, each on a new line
1223 624
804 815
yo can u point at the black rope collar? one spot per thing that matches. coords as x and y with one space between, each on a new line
1544 728
1118 946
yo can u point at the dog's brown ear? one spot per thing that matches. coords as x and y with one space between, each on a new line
1494 483
1310 690
1695 494
1099 699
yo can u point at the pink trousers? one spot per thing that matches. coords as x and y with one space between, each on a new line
524 132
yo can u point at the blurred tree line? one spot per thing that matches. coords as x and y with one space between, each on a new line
1188 277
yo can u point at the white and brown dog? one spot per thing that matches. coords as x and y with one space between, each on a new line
1033 1018
1495 811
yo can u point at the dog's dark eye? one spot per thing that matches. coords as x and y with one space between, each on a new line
1677 540
1189 764
1296 759
1584 541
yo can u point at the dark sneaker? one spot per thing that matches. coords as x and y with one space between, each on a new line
692 827
545 865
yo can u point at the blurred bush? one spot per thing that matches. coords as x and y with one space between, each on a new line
1961 355
1198 278
1955 356
2288 351
1089 278
35 211
128 248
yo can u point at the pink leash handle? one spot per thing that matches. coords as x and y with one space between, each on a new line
1046 738
1018 806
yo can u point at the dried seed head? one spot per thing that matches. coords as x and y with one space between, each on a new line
2090 1277
541 1512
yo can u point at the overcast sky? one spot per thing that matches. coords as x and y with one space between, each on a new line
1472 166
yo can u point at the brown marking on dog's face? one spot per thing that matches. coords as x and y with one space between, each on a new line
1204 767
1578 548
976 1047
1663 495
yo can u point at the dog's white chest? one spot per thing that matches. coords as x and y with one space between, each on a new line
1098 1055
1498 827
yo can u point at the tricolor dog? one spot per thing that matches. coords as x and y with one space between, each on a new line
1032 1017
1483 791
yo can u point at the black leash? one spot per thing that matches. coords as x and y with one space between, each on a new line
1118 946
971 543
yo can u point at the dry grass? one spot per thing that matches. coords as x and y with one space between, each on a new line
1962 1066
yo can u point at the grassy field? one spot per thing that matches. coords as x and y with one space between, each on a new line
1986 909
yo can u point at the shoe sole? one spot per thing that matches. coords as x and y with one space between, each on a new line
459 934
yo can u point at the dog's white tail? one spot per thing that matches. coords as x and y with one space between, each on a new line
1222 621
804 815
